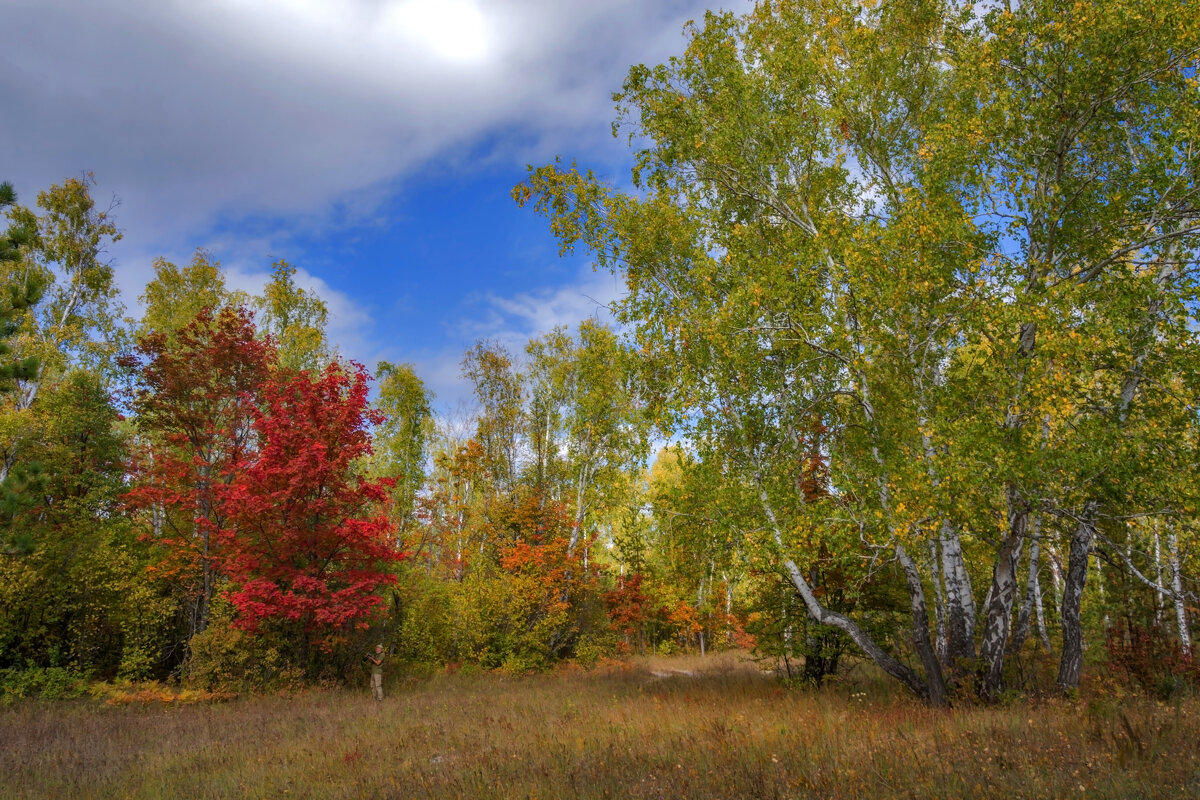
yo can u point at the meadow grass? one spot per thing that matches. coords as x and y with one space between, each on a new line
656 728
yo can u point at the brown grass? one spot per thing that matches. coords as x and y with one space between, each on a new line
646 730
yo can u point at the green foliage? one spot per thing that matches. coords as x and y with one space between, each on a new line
402 439
910 285
20 233
425 623
175 296
45 683
296 318
958 244
61 314
223 657
21 297
79 316
498 389
80 596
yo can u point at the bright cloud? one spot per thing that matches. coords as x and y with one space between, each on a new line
515 319
244 126
453 30
512 320
195 111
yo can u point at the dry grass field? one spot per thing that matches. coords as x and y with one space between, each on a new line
680 728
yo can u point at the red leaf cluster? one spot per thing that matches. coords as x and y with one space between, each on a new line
307 538
249 474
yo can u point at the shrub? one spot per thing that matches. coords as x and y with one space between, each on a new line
1146 658
226 658
47 683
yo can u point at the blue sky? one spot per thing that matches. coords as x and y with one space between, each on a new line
371 143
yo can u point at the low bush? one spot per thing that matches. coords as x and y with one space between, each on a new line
47 683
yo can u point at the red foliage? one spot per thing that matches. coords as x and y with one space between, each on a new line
307 539
196 400
531 542
627 604
1150 659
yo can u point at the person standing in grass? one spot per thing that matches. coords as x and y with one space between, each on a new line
377 673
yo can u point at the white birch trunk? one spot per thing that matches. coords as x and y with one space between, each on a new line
1181 623
1041 613
1025 614
1158 574
1056 579
941 646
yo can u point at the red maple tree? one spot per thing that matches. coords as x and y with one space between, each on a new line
307 542
195 402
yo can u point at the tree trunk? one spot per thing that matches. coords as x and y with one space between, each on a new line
956 617
1071 662
1056 574
920 629
876 653
1004 590
1041 613
941 646
1160 598
1181 623
1021 630
960 603
1100 591
728 613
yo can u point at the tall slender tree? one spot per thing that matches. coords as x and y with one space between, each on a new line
196 404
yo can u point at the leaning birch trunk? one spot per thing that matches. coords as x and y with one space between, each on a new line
1071 662
1004 590
932 692
1185 639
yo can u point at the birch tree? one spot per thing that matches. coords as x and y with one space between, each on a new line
76 321
928 230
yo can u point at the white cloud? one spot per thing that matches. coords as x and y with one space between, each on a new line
515 319
512 321
307 113
194 111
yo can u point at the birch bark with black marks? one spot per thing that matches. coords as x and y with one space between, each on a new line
1004 589
939 602
1025 614
956 626
1071 661
960 602
1160 596
1181 623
